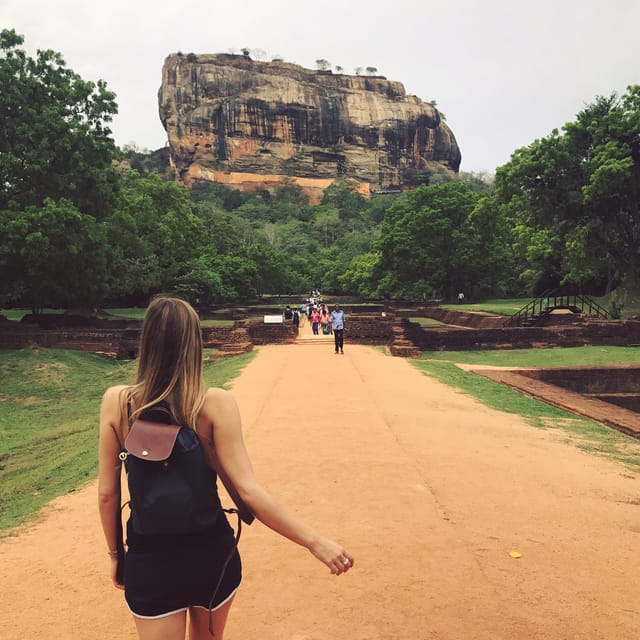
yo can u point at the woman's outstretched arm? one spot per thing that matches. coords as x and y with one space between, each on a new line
220 409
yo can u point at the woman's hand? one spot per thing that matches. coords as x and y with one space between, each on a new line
113 572
333 555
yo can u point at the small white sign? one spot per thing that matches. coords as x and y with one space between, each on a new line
273 319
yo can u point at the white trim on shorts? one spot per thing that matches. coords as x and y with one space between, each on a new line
171 613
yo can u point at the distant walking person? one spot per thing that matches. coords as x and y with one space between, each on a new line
315 321
337 322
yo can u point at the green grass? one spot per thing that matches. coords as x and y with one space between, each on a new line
584 433
505 307
18 314
426 322
555 357
212 322
129 313
219 373
49 408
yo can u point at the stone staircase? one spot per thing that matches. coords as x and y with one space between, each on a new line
238 342
401 346
311 339
306 336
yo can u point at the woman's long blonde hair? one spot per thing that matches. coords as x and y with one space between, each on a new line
170 361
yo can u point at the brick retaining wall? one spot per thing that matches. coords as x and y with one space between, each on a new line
361 329
607 332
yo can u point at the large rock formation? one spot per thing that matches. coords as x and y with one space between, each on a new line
248 123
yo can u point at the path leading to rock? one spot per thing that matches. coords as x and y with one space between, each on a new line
428 489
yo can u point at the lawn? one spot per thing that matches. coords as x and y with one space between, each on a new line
505 306
555 357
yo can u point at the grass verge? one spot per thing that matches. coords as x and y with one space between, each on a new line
552 357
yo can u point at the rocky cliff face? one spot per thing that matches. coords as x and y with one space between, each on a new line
248 123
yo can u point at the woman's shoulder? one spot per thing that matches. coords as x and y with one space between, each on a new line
115 393
214 395
217 402
219 405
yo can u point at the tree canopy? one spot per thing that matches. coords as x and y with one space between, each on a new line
574 196
54 139
57 183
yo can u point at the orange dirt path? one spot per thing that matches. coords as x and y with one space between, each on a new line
428 489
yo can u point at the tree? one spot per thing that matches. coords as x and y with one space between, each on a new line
342 195
326 225
339 69
579 191
200 284
359 277
372 70
358 71
238 275
607 136
274 273
323 65
58 187
153 232
54 140
428 246
289 201
55 255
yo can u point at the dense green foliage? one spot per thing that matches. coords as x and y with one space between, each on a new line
574 198
83 223
434 243
57 184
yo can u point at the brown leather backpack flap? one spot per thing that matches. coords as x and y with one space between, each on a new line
151 440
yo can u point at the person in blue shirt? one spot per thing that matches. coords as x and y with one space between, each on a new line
337 322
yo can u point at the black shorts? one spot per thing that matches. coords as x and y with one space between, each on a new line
168 574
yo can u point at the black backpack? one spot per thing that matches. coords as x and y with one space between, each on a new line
172 489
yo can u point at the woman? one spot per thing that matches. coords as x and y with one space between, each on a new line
315 320
168 575
325 321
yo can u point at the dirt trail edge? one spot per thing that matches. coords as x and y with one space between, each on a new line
429 490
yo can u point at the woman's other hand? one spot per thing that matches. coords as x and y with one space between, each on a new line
333 555
113 573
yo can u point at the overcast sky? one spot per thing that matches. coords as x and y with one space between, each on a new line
504 72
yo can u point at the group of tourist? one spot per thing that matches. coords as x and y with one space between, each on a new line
321 319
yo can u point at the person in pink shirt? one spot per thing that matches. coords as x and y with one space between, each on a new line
315 319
